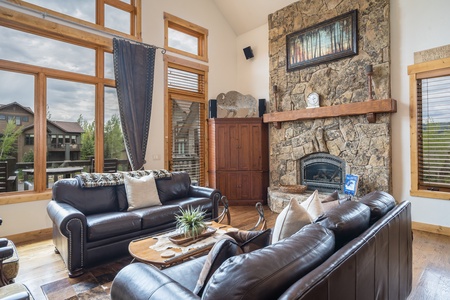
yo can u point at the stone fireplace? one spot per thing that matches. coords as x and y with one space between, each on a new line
363 147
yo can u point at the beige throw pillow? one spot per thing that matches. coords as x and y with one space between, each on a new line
313 206
295 216
290 220
141 192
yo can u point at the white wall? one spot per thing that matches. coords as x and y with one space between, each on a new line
31 216
253 74
221 52
416 25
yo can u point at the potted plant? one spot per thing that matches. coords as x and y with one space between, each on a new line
190 222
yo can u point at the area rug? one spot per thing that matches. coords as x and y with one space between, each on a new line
94 284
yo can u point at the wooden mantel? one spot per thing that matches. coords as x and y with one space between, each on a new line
369 107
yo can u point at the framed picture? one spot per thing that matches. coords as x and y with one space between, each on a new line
330 40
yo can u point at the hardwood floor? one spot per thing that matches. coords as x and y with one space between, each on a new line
431 260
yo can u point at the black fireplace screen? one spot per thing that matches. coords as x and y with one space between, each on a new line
323 172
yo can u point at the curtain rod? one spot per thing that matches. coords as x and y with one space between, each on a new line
163 50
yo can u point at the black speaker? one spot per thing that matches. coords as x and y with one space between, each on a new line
262 107
248 52
212 108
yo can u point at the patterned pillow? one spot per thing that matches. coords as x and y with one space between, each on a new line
89 180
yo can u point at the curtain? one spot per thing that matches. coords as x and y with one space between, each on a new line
134 66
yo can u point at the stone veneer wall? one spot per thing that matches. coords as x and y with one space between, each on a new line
365 147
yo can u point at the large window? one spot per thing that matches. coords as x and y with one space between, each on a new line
430 129
58 104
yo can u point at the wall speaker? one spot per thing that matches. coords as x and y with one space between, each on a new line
261 107
248 52
212 108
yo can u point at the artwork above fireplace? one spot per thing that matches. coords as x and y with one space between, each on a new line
323 172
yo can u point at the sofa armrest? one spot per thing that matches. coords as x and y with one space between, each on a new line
140 281
62 214
5 253
213 194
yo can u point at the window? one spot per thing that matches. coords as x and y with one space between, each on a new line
29 139
185 38
52 84
430 129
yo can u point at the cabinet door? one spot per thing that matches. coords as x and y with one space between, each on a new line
233 149
245 146
256 151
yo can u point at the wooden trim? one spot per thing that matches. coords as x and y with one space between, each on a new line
429 66
21 197
431 228
346 109
31 236
439 67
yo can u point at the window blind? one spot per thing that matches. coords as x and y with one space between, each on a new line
187 141
433 129
185 80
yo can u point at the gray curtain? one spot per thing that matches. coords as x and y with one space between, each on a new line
134 66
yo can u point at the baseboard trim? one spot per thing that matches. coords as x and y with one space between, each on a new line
31 236
431 228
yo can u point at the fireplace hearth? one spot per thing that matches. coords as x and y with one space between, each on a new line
323 172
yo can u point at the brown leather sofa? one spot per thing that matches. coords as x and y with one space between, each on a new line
359 250
92 225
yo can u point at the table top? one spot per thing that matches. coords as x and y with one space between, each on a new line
140 250
57 170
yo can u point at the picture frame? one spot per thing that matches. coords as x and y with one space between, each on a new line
330 40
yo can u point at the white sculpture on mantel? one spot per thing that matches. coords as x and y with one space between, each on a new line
237 104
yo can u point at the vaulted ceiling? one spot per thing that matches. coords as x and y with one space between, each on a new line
246 15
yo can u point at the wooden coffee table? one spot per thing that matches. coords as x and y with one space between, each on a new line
141 251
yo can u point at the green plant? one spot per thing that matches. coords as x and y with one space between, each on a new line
190 221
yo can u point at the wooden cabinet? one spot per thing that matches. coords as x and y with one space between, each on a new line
239 159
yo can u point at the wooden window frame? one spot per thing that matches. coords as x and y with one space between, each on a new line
435 68
179 63
42 27
188 28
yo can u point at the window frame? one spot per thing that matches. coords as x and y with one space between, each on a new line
188 28
435 68
64 32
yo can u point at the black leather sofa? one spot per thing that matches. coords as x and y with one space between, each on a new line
359 250
92 225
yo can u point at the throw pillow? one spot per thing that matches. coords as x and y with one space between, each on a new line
290 220
141 192
225 248
313 206
251 240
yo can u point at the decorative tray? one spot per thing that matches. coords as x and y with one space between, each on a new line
295 189
180 239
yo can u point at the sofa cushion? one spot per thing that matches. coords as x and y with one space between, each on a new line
157 215
101 226
266 273
379 203
141 192
173 188
122 200
231 244
347 221
87 200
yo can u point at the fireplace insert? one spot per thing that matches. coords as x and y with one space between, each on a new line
323 172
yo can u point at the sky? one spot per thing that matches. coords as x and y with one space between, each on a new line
31 49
